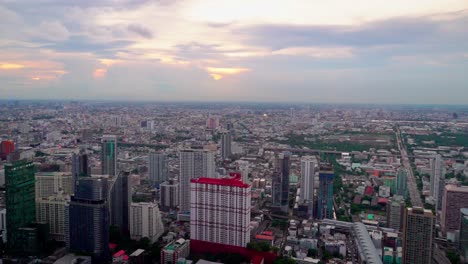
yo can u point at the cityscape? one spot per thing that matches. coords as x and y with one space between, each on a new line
233 132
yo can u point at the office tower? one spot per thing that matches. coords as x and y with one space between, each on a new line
280 184
175 250
52 211
109 155
169 194
437 180
6 147
463 244
119 200
226 141
80 166
401 183
157 168
395 212
325 192
88 219
418 228
220 210
454 199
145 221
52 183
194 163
20 205
306 195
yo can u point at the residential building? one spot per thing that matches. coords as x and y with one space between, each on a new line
437 180
194 163
220 210
109 155
325 192
52 183
88 219
308 165
169 194
52 211
395 212
145 221
6 147
175 250
20 202
418 229
157 168
280 182
226 142
455 198
401 188
463 244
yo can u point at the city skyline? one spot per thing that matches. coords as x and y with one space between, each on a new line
333 52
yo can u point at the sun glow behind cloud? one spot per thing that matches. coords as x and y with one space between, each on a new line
219 73
11 66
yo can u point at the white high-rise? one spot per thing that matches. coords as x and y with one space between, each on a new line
52 183
437 180
52 211
194 163
308 164
157 168
220 210
169 194
145 221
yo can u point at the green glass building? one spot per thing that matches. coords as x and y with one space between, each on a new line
20 202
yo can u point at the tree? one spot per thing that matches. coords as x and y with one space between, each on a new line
312 252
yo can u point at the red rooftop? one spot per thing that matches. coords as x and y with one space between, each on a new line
234 181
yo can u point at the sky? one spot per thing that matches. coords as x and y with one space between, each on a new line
334 51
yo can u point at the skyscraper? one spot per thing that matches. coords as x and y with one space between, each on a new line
395 212
20 201
325 192
88 219
401 183
52 211
194 163
80 166
226 141
437 180
169 194
418 228
6 147
220 210
109 155
280 184
52 183
308 164
157 168
145 221
463 244
454 199
119 200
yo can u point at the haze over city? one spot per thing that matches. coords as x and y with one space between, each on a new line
363 51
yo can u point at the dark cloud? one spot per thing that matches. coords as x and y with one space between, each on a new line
140 30
387 32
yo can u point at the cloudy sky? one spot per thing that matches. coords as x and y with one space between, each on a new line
360 51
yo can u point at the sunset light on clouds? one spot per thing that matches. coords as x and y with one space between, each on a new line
318 50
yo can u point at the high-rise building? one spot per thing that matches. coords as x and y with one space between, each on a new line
6 147
418 228
80 166
220 210
226 142
308 164
243 168
437 180
169 194
145 221
88 219
194 163
52 183
175 250
401 183
463 244
212 122
325 192
455 198
20 202
157 168
109 155
52 211
395 212
280 182
120 197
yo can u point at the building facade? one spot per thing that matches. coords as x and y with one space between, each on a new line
455 198
463 244
280 182
194 163
418 229
226 143
52 211
395 212
220 210
169 194
308 165
437 180
325 192
175 250
119 200
157 168
401 188
52 183
80 165
109 155
145 221
6 147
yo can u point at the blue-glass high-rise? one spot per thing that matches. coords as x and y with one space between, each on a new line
88 219
325 192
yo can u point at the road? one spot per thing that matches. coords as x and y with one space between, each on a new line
415 196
